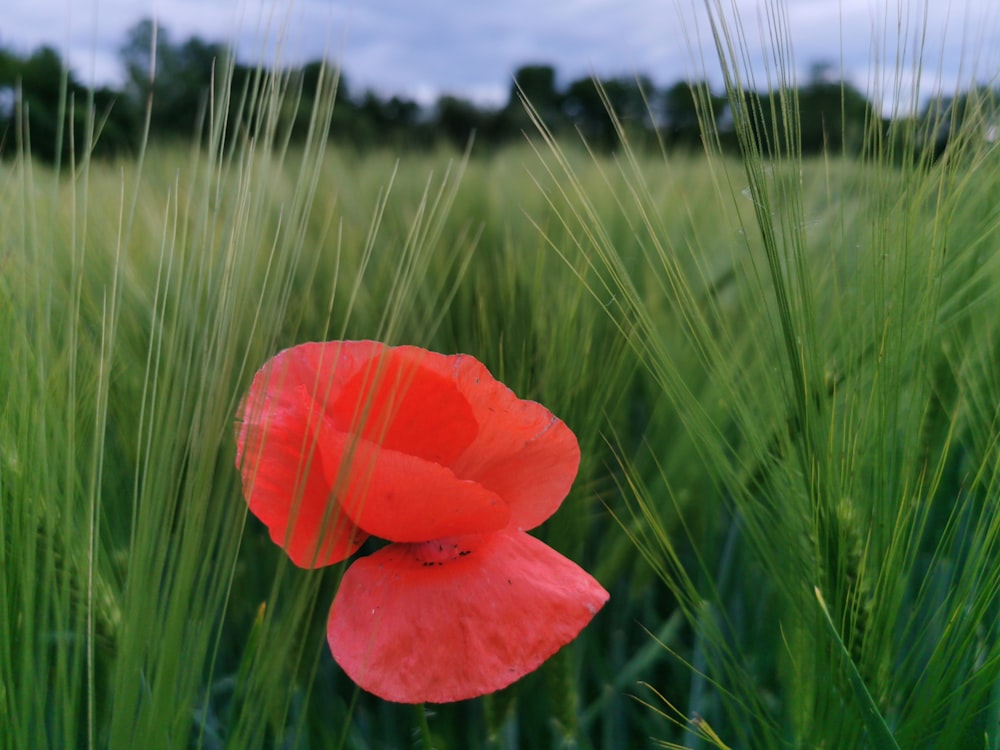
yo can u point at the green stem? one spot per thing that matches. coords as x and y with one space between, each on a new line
878 731
425 729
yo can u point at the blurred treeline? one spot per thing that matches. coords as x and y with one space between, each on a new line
44 109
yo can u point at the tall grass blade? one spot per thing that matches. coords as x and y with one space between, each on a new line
878 731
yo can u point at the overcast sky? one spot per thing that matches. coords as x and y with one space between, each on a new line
421 48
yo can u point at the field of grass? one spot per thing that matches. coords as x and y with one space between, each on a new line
784 377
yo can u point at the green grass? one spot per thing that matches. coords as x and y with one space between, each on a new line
784 375
825 414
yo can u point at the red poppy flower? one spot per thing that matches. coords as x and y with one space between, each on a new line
347 439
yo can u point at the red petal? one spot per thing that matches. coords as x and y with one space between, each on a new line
442 622
522 452
406 401
404 498
281 468
443 417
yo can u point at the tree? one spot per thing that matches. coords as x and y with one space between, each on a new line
592 102
458 120
37 116
178 78
43 107
8 84
974 113
537 85
826 115
833 115
685 107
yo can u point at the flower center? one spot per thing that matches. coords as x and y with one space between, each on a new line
444 550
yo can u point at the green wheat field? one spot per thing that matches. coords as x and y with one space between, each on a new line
784 375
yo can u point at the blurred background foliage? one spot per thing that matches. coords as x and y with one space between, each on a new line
40 95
